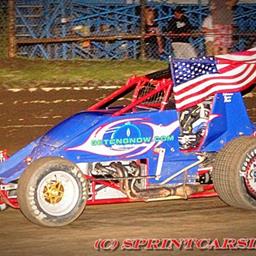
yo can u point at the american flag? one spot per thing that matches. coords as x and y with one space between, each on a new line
197 79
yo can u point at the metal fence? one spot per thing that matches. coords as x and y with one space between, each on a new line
112 29
3 29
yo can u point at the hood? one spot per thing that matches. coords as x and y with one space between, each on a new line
45 145
72 127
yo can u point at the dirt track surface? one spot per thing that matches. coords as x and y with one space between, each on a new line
25 115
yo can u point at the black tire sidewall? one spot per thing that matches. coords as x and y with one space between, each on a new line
228 182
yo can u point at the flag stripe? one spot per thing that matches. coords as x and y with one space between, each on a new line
235 72
217 89
235 84
239 56
198 83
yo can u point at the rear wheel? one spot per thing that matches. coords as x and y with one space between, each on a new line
52 192
161 74
234 173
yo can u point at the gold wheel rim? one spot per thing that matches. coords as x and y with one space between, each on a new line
53 192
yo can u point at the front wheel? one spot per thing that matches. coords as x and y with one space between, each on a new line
234 173
52 192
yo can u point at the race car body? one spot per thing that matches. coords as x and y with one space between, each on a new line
137 145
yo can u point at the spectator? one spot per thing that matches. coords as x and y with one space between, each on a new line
207 28
222 18
180 29
153 40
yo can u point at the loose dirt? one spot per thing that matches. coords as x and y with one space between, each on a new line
24 115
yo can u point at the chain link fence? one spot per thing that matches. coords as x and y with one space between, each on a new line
111 29
3 29
176 33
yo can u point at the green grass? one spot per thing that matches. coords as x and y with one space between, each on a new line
30 73
3 31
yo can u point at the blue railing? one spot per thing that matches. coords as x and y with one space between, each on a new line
64 19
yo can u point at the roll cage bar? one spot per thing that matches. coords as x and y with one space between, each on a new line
151 91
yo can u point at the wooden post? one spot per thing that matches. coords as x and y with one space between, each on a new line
11 29
142 29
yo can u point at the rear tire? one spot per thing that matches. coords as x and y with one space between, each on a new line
52 192
234 173
161 74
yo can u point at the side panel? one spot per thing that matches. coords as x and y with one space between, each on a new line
131 136
229 120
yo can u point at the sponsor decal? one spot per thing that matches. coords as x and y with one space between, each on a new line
228 97
131 137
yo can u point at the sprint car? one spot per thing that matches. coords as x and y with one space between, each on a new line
137 145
